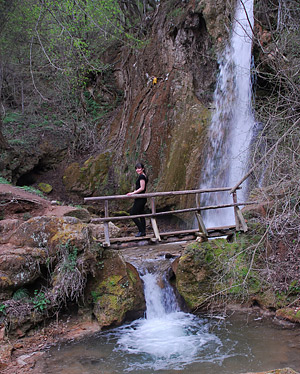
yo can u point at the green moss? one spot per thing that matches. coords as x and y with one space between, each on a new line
110 301
45 187
110 285
91 178
187 140
218 267
291 314
132 276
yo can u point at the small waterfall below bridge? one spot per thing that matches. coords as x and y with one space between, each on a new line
170 341
167 338
232 124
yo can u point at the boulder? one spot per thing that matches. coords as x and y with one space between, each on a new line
89 178
49 232
45 187
80 213
19 266
193 277
98 230
116 291
7 228
35 242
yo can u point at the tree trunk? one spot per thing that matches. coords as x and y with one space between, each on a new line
3 142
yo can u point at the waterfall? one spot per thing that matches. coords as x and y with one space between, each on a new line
159 301
232 124
166 338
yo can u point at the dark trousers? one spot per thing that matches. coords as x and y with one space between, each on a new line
138 208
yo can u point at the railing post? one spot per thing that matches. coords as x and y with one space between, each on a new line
237 221
199 219
240 223
106 226
153 220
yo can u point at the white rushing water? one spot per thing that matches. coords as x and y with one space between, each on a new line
231 129
167 338
168 341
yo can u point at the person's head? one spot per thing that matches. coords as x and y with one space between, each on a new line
139 168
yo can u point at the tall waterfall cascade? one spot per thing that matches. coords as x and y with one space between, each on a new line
232 124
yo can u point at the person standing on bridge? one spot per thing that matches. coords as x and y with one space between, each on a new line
139 204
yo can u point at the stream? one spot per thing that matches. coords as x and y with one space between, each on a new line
168 340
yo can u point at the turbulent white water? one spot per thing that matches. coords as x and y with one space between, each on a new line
230 133
166 338
169 341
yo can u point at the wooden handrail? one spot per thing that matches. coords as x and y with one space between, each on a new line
168 212
156 194
240 222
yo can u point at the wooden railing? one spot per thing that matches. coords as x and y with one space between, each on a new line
240 224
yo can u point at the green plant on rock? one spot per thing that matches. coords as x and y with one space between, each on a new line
4 181
70 260
294 287
69 281
231 267
3 309
32 190
125 284
95 296
26 216
40 301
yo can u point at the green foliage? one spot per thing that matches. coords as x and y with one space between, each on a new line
50 53
69 259
294 287
11 117
3 309
16 142
125 284
32 190
95 296
40 301
4 181
72 259
174 13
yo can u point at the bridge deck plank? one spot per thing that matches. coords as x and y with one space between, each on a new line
212 232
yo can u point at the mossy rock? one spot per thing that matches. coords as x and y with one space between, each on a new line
45 187
193 278
116 291
92 178
278 371
82 214
290 314
218 267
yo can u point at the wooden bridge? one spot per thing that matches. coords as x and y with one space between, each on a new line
157 236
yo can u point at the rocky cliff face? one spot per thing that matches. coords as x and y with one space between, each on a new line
164 123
